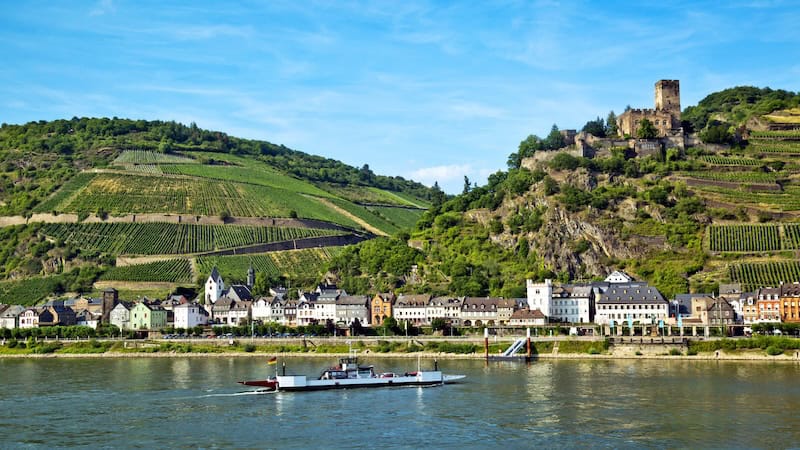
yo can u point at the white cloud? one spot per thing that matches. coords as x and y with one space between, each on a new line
441 174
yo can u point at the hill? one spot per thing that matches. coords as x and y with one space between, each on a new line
683 220
78 196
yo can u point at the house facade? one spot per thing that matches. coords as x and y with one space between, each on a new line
121 315
189 315
412 309
789 306
381 307
145 316
769 305
353 308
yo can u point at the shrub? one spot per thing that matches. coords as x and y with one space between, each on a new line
774 350
674 352
249 348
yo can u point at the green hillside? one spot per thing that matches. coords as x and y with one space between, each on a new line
683 220
80 193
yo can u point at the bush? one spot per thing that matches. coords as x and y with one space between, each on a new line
674 352
249 348
774 350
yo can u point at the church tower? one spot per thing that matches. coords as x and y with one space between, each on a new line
251 277
214 287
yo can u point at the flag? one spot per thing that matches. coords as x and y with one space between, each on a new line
273 360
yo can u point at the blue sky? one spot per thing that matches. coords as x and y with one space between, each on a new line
431 91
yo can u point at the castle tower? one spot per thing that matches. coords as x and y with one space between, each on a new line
668 97
110 300
540 296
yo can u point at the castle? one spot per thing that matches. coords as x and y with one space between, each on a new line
666 116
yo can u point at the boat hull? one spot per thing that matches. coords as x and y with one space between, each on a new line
267 384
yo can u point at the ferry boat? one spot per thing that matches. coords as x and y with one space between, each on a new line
349 374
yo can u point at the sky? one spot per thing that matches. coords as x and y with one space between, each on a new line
431 91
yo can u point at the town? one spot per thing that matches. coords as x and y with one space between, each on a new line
601 307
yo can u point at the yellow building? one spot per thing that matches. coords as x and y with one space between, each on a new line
381 308
790 302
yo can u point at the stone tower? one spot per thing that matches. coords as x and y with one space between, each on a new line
668 97
110 300
251 277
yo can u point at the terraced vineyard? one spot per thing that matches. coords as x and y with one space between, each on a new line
787 200
730 161
150 157
776 134
744 238
756 275
307 264
172 271
774 147
736 177
791 232
67 191
122 194
170 238
29 291
367 216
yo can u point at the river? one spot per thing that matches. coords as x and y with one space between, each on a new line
195 402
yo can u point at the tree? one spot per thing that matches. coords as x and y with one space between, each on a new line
554 140
438 324
437 196
467 185
595 127
646 130
611 124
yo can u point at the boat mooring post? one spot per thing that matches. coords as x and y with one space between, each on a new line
486 343
284 369
529 344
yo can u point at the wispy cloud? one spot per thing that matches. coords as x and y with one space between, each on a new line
103 7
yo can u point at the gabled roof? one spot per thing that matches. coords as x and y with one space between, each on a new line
447 301
631 293
618 276
13 311
354 300
215 275
790 290
240 292
413 301
522 314
477 302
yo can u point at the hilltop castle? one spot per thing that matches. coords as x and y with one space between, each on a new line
666 116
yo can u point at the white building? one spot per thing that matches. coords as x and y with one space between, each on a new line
188 315
637 302
447 308
121 315
10 317
412 309
540 296
29 318
572 304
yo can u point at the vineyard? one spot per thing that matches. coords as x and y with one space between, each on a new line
736 177
67 191
150 157
169 238
402 217
730 161
774 147
744 238
29 291
756 275
776 134
366 215
172 271
299 265
787 200
122 194
262 176
371 195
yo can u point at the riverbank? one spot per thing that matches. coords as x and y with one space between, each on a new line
620 354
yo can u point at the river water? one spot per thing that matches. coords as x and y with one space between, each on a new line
195 402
